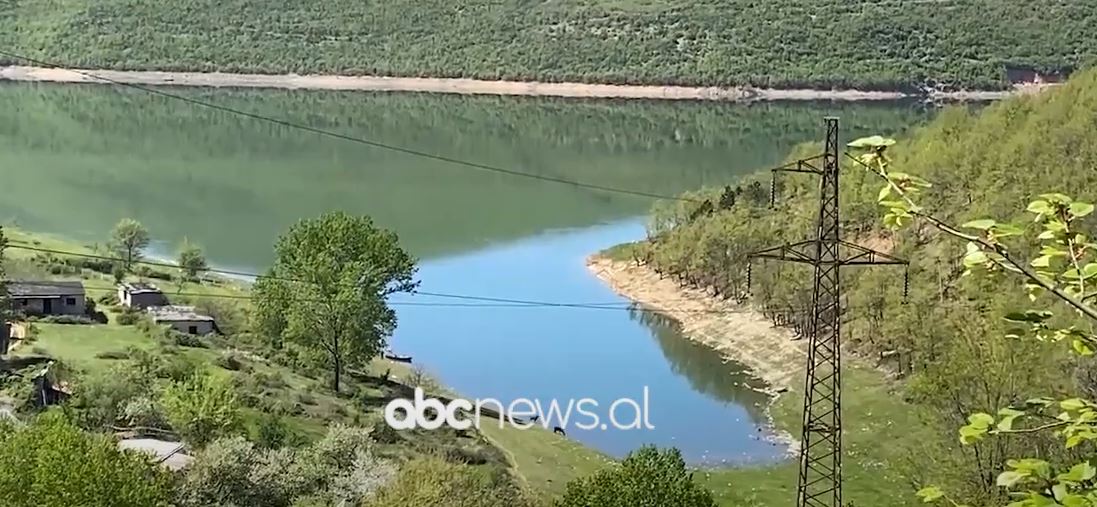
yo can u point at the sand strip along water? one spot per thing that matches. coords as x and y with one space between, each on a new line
473 86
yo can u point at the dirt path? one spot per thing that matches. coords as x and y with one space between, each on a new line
464 86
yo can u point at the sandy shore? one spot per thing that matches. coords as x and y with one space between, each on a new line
737 334
464 86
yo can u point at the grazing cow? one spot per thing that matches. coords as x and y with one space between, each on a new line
558 430
534 419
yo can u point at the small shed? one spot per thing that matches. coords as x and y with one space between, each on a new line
140 295
48 297
185 319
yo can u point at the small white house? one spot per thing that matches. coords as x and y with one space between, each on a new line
140 295
184 319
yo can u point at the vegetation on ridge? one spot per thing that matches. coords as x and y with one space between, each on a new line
875 44
949 340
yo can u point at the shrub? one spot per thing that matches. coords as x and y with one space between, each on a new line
225 473
201 408
113 354
230 361
646 478
144 412
186 340
99 399
50 462
384 434
270 432
129 317
109 299
433 481
66 319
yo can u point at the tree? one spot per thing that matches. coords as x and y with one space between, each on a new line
127 240
191 261
201 408
1064 272
646 478
52 463
328 287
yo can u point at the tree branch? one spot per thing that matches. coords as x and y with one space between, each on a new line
1024 269
1048 426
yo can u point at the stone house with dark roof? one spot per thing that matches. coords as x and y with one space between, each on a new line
48 297
184 319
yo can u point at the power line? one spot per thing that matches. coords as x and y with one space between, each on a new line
336 135
503 303
497 302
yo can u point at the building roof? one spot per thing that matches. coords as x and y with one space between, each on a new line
45 288
176 314
140 288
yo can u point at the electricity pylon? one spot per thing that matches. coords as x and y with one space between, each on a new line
820 481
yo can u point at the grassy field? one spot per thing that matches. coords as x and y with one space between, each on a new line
782 43
81 345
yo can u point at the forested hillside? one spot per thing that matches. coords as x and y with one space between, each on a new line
949 339
881 44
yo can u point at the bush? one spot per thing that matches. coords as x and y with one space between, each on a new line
109 299
99 399
230 361
646 478
186 340
93 313
50 462
66 319
201 408
384 434
129 317
433 481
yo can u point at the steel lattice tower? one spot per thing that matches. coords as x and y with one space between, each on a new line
820 481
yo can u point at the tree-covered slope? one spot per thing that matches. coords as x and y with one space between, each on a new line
883 44
950 338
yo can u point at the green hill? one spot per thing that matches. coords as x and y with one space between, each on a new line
950 335
881 44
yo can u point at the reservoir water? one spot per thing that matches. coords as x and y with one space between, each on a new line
75 159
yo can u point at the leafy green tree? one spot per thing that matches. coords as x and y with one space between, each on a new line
127 240
328 287
201 408
52 463
648 477
1065 273
191 261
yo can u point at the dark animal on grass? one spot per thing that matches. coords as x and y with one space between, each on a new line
559 431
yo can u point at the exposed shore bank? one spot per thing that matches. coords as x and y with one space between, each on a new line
477 87
732 330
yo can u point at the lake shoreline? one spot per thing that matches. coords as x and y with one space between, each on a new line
734 331
483 87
